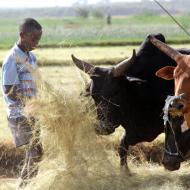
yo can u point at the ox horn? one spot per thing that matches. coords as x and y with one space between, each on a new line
84 66
172 53
121 67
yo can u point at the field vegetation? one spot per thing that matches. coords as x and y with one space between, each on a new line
76 31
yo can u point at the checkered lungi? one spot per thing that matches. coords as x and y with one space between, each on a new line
21 129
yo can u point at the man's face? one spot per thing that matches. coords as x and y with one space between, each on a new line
30 40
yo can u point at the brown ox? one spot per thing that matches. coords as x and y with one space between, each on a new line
177 107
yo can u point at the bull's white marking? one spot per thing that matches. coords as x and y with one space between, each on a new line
184 127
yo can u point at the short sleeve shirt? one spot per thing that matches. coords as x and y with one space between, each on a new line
15 73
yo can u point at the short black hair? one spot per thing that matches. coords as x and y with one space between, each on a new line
29 25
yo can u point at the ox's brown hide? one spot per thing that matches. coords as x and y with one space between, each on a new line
181 74
182 85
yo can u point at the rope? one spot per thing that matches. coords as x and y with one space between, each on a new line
173 18
168 123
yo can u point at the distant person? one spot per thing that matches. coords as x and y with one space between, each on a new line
108 19
18 84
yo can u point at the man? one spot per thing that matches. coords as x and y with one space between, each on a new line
18 84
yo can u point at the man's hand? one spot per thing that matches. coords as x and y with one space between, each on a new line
12 92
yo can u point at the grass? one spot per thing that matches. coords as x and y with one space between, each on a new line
62 56
97 55
75 31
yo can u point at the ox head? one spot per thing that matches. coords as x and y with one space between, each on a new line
177 134
178 104
177 143
174 143
175 110
107 88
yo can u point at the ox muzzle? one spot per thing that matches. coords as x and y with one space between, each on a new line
174 107
173 120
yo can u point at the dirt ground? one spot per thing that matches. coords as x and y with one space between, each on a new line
11 159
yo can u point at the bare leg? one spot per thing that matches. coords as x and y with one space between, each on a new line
30 167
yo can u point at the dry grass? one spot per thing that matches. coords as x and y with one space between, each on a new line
75 158
69 141
11 160
98 55
62 56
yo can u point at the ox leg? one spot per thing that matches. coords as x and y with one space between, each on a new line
123 147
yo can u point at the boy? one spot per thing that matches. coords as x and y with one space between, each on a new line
18 84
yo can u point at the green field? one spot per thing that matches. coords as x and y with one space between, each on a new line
74 31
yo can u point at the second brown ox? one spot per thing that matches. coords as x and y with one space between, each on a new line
177 107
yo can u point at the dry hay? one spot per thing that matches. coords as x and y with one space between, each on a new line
76 158
11 160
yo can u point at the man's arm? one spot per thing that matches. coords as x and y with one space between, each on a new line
10 78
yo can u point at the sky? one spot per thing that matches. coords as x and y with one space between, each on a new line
46 3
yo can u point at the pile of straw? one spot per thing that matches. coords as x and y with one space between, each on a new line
75 157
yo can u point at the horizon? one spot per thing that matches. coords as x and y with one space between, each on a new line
51 3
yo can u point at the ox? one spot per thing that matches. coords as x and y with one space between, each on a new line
129 94
177 107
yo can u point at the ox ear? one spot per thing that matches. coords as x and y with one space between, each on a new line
166 72
84 66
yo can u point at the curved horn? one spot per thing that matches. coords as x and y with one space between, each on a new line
84 66
121 67
172 53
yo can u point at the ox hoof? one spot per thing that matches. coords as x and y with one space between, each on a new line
173 167
126 173
124 170
171 163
